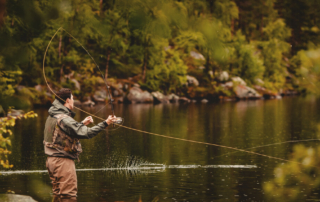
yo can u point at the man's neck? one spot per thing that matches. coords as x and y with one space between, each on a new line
67 106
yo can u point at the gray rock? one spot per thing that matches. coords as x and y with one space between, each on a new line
173 98
136 95
197 56
239 80
100 96
246 92
204 101
184 100
192 81
159 97
224 76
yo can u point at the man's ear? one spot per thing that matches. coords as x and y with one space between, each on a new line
67 100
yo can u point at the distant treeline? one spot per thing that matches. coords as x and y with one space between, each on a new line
271 43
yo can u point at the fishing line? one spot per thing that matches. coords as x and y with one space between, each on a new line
146 132
267 145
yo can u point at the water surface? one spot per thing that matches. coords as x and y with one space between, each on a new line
125 165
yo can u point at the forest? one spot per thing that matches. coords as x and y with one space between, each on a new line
195 49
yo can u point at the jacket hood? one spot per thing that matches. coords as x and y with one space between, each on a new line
58 108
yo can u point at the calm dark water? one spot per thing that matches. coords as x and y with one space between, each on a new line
242 124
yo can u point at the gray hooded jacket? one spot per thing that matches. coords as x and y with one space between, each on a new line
72 128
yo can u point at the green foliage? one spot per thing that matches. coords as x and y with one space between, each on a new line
248 63
295 180
305 68
273 50
152 40
5 132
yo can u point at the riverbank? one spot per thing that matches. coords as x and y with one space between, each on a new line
128 91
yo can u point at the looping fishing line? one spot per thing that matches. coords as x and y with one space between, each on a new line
146 132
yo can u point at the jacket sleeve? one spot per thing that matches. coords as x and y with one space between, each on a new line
79 130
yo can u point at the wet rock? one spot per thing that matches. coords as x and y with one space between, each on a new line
184 100
192 81
159 97
136 95
204 101
245 92
197 56
173 98
239 80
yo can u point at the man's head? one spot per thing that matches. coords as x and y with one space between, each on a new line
65 97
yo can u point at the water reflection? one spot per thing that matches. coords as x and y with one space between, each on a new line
248 124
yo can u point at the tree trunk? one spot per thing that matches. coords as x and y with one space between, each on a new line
60 42
107 65
101 8
232 27
2 11
144 67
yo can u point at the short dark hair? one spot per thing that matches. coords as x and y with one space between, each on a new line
63 94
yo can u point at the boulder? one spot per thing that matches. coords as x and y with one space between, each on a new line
100 96
159 97
227 85
173 98
239 80
196 55
245 92
268 94
224 76
204 101
192 81
184 100
136 95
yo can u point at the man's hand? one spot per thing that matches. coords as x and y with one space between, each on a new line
87 120
111 119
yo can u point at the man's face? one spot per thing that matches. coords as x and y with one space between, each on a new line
70 102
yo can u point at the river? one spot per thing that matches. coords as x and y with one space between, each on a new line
126 165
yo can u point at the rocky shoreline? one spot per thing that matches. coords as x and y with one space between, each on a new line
129 92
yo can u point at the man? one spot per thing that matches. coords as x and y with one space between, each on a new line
61 142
